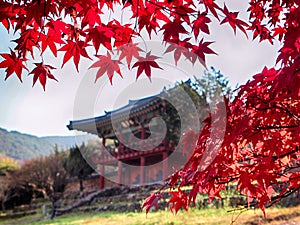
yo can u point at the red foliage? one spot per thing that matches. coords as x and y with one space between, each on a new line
75 50
42 72
107 65
13 64
79 25
152 200
74 27
145 64
231 18
260 150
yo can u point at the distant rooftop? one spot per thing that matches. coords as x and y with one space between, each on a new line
133 106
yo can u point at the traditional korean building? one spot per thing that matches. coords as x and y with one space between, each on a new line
125 156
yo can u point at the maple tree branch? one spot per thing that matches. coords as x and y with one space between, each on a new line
170 11
276 199
236 218
285 154
263 100
276 127
276 106
226 182
136 22
288 112
137 14
45 5
274 158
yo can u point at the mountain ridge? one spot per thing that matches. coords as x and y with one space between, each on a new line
23 146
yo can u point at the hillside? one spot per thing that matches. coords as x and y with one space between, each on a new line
21 146
64 142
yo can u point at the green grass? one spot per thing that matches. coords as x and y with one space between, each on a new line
164 217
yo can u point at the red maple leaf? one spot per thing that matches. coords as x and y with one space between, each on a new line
257 10
6 13
36 10
274 13
42 72
152 200
145 64
182 47
173 29
129 51
148 18
123 33
231 18
262 31
27 41
60 27
178 200
106 65
100 35
184 11
200 51
212 6
13 64
201 24
91 16
74 49
280 31
50 41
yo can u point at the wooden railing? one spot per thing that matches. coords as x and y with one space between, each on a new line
124 152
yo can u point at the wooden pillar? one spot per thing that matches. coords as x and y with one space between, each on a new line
103 141
128 175
143 133
119 173
101 183
142 170
165 165
165 144
103 147
101 178
120 147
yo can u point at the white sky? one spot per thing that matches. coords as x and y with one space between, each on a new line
31 110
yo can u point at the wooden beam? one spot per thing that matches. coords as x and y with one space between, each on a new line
142 169
119 173
165 165
143 133
101 182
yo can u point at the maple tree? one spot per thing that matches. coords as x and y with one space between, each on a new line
260 150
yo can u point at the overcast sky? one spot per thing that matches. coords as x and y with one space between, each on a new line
30 110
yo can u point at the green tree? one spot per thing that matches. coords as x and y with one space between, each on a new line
77 166
205 92
212 85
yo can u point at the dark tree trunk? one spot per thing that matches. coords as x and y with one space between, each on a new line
3 205
53 209
81 185
54 199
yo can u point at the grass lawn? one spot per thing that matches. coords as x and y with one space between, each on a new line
275 216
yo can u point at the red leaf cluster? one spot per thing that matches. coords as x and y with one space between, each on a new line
107 65
145 64
260 150
13 64
74 27
42 72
